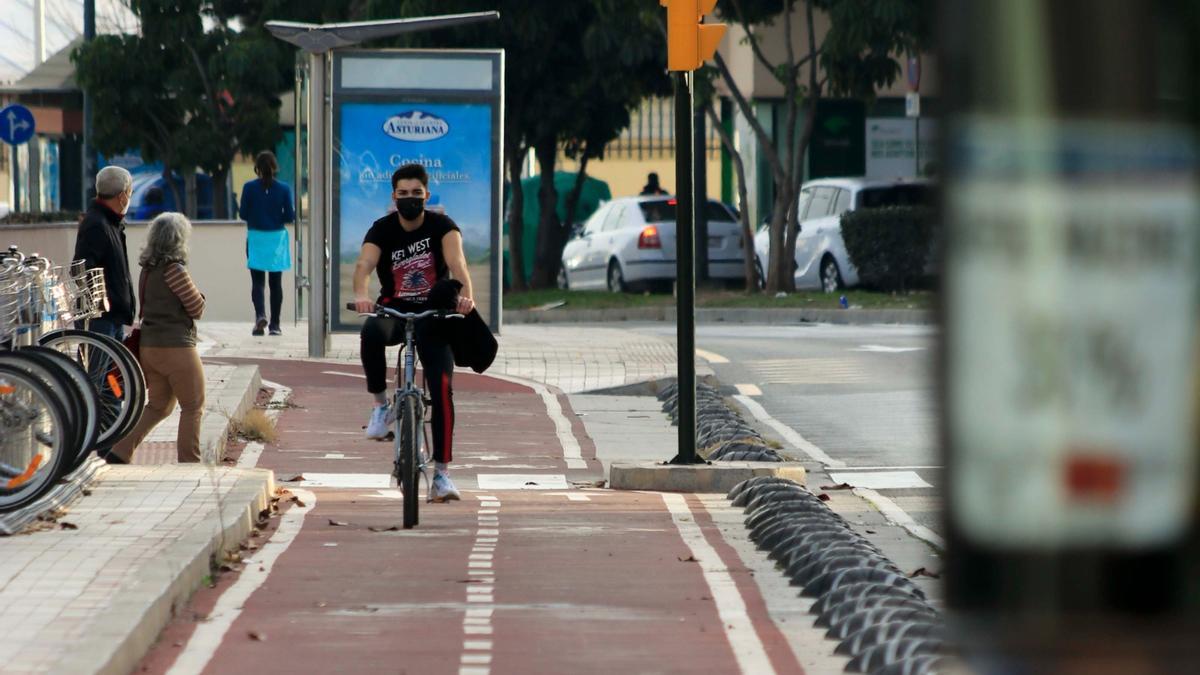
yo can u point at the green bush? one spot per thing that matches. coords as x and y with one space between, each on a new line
890 246
24 218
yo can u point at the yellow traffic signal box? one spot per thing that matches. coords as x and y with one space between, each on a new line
689 42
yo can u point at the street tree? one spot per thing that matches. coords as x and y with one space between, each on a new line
855 56
188 91
573 73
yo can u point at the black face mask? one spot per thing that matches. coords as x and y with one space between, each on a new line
410 208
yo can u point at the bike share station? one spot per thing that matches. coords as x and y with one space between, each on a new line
368 113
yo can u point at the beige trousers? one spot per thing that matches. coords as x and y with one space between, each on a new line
172 373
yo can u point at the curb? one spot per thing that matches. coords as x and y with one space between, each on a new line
720 477
229 407
121 635
919 317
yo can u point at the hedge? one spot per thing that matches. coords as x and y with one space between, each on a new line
24 218
891 246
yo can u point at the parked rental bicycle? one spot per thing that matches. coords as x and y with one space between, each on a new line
63 392
411 455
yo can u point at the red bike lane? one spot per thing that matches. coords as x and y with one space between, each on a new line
565 579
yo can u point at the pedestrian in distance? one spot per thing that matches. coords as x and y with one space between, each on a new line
411 250
101 243
266 207
171 305
652 187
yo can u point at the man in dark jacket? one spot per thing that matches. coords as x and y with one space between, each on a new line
101 243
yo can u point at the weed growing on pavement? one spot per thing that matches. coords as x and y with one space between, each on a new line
256 426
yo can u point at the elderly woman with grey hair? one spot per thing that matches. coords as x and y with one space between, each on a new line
171 304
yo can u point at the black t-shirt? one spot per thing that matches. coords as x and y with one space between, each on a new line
409 262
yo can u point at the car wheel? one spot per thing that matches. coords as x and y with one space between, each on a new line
564 284
761 280
616 279
831 278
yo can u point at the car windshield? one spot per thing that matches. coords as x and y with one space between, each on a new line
663 210
894 195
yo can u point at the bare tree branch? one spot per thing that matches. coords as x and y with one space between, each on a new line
764 140
754 44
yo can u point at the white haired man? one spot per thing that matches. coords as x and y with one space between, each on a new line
101 243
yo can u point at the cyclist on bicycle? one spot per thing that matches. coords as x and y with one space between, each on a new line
410 250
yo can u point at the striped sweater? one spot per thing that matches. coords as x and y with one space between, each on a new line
180 283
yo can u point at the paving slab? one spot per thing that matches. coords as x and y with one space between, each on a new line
92 594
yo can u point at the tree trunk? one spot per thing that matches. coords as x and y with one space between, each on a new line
189 192
516 221
739 168
169 179
220 195
549 238
576 192
778 264
810 116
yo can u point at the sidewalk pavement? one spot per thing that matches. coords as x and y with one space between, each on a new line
90 594
756 315
563 356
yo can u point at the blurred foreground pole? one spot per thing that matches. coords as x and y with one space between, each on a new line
88 156
685 270
1069 364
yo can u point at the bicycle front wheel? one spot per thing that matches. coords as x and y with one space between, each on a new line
408 429
34 437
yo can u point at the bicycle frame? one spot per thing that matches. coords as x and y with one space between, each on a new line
406 387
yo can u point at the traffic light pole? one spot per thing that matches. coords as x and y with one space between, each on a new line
685 266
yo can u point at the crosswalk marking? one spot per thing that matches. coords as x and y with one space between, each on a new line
808 371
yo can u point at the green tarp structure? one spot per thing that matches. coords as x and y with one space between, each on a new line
595 192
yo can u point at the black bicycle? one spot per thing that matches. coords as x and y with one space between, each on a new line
407 412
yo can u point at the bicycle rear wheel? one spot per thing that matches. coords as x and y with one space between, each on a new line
33 437
115 376
408 429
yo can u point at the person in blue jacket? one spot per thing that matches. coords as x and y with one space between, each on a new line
267 208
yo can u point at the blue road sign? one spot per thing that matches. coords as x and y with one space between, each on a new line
16 124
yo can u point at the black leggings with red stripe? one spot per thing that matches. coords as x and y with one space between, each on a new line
437 362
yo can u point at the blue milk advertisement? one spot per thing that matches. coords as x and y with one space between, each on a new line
453 141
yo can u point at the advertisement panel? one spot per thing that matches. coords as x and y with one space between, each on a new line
455 136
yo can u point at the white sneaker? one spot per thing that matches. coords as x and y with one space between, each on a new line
443 488
377 428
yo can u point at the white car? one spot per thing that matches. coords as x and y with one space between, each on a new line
630 242
821 258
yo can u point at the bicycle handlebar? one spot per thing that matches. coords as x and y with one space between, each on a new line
389 313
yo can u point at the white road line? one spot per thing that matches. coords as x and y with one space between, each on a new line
478 645
897 516
278 399
359 375
572 453
789 434
884 349
711 357
250 455
748 389
208 635
739 629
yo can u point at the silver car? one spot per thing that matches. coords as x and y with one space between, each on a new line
630 242
821 258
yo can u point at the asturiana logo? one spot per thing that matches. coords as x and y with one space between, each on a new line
415 125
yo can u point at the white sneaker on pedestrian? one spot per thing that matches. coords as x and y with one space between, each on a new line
443 488
377 427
